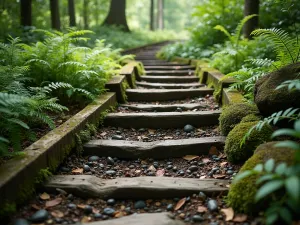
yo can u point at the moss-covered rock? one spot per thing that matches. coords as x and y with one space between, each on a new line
233 114
241 194
236 152
270 100
250 118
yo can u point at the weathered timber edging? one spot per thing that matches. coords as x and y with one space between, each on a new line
170 85
166 95
162 120
170 79
173 67
169 72
142 219
165 108
89 186
155 150
118 84
18 176
230 97
133 71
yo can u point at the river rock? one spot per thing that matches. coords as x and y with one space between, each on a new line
212 205
140 205
94 158
117 137
188 128
40 216
109 211
21 222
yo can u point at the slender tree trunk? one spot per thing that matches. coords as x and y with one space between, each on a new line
251 7
72 17
55 18
96 15
85 14
160 16
152 15
117 14
26 13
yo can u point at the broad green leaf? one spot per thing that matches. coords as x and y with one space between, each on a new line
268 188
242 175
280 168
271 218
265 178
288 144
2 139
285 215
297 125
269 165
288 132
258 168
292 185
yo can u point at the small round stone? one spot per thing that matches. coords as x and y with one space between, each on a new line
118 132
151 174
197 218
94 158
169 167
131 166
189 172
170 207
212 205
104 217
229 172
110 161
71 206
202 196
109 211
179 109
21 222
142 130
98 216
128 210
88 209
40 216
174 168
111 201
181 173
201 164
139 205
110 172
117 137
65 169
70 197
86 168
193 168
101 165
188 128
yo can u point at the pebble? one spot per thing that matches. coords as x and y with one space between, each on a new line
179 109
65 169
229 172
189 172
101 165
94 158
177 133
201 164
197 218
118 132
110 172
86 168
110 161
202 196
193 168
40 216
139 205
170 207
169 167
128 210
181 173
174 168
111 201
88 209
188 128
212 205
70 197
109 211
71 206
104 217
142 130
131 166
117 137
98 216
21 222
193 101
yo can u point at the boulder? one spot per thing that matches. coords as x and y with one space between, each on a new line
268 99
241 194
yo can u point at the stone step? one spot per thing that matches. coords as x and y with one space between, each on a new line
169 72
142 219
152 95
162 120
169 86
170 67
156 149
89 186
165 108
170 79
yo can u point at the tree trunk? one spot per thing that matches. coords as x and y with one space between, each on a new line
160 14
152 15
55 19
85 14
251 7
72 17
26 15
117 14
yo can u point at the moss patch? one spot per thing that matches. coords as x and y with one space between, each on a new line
233 149
233 114
241 194
250 118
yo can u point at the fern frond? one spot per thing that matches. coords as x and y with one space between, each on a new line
261 62
239 28
72 63
291 85
223 29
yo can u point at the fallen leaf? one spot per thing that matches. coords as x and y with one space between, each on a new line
119 214
103 134
44 196
53 202
219 176
86 219
78 171
229 213
180 203
151 131
213 150
202 177
227 185
223 164
152 168
160 173
143 162
81 206
190 157
206 160
202 209
139 138
240 218
168 137
57 214
34 206
96 210
137 172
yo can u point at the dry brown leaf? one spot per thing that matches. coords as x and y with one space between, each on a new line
160 173
89 201
144 162
213 150
86 219
202 177
180 203
139 138
223 164
205 160
151 131
202 209
103 134
240 218
96 210
190 157
44 196
229 213
78 171
53 202
219 176
119 214
34 206
168 137
81 206
57 214
227 185
152 168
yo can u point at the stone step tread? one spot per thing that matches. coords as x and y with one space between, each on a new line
169 67
159 91
162 120
142 219
89 186
170 79
165 108
156 149
170 85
